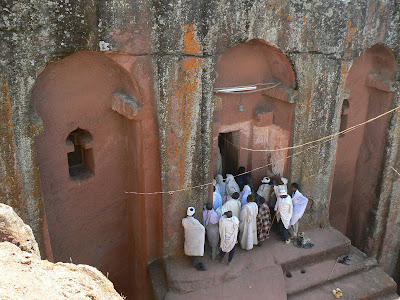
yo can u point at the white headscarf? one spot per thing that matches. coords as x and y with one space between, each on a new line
231 184
190 211
266 180
219 181
244 194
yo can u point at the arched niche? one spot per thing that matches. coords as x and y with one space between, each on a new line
260 120
89 153
360 153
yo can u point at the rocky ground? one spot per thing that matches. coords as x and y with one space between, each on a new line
25 276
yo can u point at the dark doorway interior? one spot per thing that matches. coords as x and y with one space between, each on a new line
230 157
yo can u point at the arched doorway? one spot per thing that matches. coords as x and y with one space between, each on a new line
255 120
359 158
89 154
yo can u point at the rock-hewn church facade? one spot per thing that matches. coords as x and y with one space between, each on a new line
102 97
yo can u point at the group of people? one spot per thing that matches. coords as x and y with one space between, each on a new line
238 215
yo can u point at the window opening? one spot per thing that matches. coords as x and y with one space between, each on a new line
80 161
344 117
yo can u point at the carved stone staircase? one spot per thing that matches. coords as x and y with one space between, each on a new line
277 271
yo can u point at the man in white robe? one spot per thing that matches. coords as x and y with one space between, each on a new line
264 190
248 224
194 239
284 212
233 205
217 199
210 221
231 185
228 231
299 207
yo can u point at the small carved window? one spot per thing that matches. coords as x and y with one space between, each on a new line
80 160
344 116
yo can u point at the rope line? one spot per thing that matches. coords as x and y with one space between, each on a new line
211 183
395 171
319 142
248 92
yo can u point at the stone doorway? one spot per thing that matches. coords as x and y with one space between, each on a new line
229 153
258 120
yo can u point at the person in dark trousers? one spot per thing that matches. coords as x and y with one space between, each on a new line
228 230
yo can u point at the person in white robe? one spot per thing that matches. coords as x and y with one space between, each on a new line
264 190
210 221
231 185
233 205
299 207
248 224
217 199
194 239
284 212
244 194
221 185
228 231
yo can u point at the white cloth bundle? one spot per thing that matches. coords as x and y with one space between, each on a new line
194 237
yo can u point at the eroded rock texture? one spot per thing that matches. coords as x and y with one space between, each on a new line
15 231
26 276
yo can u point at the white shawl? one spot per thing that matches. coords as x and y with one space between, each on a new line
244 194
284 208
217 200
228 230
248 226
264 191
231 185
232 205
221 185
299 206
194 236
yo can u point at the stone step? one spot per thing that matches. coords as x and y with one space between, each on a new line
158 279
183 278
309 276
366 285
389 297
328 244
266 284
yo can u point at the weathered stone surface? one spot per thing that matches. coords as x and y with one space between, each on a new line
15 231
25 276
320 38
